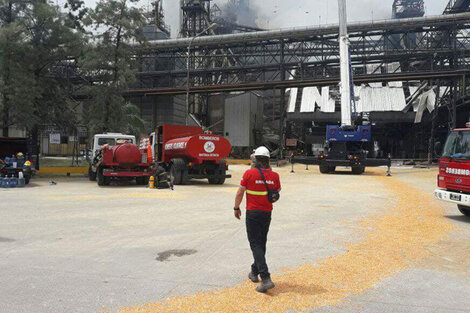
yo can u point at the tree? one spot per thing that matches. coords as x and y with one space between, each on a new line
76 12
38 43
54 47
13 79
117 29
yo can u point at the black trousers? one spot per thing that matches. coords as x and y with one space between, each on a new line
257 228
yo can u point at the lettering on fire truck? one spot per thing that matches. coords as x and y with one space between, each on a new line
175 146
210 138
458 171
209 155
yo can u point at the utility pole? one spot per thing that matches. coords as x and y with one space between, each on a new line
345 86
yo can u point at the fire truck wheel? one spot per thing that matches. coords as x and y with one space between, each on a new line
221 181
217 180
324 169
177 172
102 180
358 170
465 210
91 174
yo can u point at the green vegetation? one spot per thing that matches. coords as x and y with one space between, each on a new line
46 49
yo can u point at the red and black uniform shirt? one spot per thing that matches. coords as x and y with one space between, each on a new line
256 193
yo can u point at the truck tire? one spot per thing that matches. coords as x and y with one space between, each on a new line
465 210
358 170
217 180
178 172
324 169
101 179
91 174
224 173
221 180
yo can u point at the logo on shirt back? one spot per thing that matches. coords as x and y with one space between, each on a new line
260 182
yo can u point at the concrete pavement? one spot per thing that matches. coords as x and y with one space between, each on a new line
76 247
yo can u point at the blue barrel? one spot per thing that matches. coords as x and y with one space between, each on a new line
13 181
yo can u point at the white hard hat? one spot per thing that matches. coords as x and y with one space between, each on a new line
262 151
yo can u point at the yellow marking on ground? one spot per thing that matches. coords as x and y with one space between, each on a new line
156 195
63 170
390 243
238 161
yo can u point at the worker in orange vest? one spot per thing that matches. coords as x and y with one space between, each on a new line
149 154
262 187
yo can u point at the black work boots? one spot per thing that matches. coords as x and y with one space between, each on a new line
254 278
265 285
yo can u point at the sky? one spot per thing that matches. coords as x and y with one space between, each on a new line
275 14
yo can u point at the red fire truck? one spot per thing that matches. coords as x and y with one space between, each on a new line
117 157
187 152
454 170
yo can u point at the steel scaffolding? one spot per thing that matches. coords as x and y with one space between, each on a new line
407 8
437 46
432 48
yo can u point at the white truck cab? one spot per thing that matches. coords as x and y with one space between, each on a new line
109 139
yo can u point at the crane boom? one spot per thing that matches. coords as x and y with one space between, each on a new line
345 86
346 145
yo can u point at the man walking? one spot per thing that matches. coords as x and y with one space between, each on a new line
255 183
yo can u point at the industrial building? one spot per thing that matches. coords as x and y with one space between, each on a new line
409 74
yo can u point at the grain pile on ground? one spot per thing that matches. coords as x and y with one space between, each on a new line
389 244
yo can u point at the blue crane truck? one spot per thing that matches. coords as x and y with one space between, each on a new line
346 146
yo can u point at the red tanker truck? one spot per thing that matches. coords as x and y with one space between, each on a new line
117 157
186 152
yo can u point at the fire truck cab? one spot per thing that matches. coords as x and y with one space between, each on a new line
454 170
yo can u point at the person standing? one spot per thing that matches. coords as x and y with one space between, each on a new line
255 184
253 160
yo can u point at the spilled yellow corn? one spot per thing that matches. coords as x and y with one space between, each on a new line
389 243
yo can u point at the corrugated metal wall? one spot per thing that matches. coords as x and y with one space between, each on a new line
159 110
243 115
383 99
370 99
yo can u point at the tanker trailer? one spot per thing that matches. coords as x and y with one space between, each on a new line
187 152
121 161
